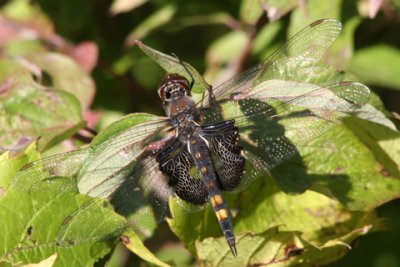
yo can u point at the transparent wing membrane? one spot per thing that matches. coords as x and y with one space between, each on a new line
103 170
118 151
279 117
291 61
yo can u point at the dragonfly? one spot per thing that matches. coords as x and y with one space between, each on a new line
235 133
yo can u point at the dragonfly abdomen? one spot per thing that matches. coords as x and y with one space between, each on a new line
198 147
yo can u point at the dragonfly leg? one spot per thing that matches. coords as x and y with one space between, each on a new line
211 97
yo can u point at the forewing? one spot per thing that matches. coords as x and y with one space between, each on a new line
117 158
102 169
105 164
293 61
35 175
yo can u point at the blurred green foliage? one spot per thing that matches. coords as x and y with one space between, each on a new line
87 51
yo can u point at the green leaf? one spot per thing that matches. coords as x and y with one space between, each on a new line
74 232
28 110
375 112
272 226
191 224
315 10
308 213
120 6
10 165
251 11
383 142
344 168
122 124
35 237
134 244
263 43
156 20
66 75
276 248
23 10
365 61
226 47
172 65
344 11
223 18
224 52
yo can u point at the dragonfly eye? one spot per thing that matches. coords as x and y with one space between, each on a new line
167 95
165 92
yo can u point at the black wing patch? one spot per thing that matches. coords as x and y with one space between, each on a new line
226 153
176 162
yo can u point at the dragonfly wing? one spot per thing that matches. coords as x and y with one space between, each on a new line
32 176
144 196
98 169
119 168
290 62
278 117
117 158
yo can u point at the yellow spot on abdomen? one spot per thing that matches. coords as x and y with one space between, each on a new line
222 214
218 216
216 200
204 170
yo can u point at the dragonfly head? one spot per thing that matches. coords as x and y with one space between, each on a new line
173 87
175 94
